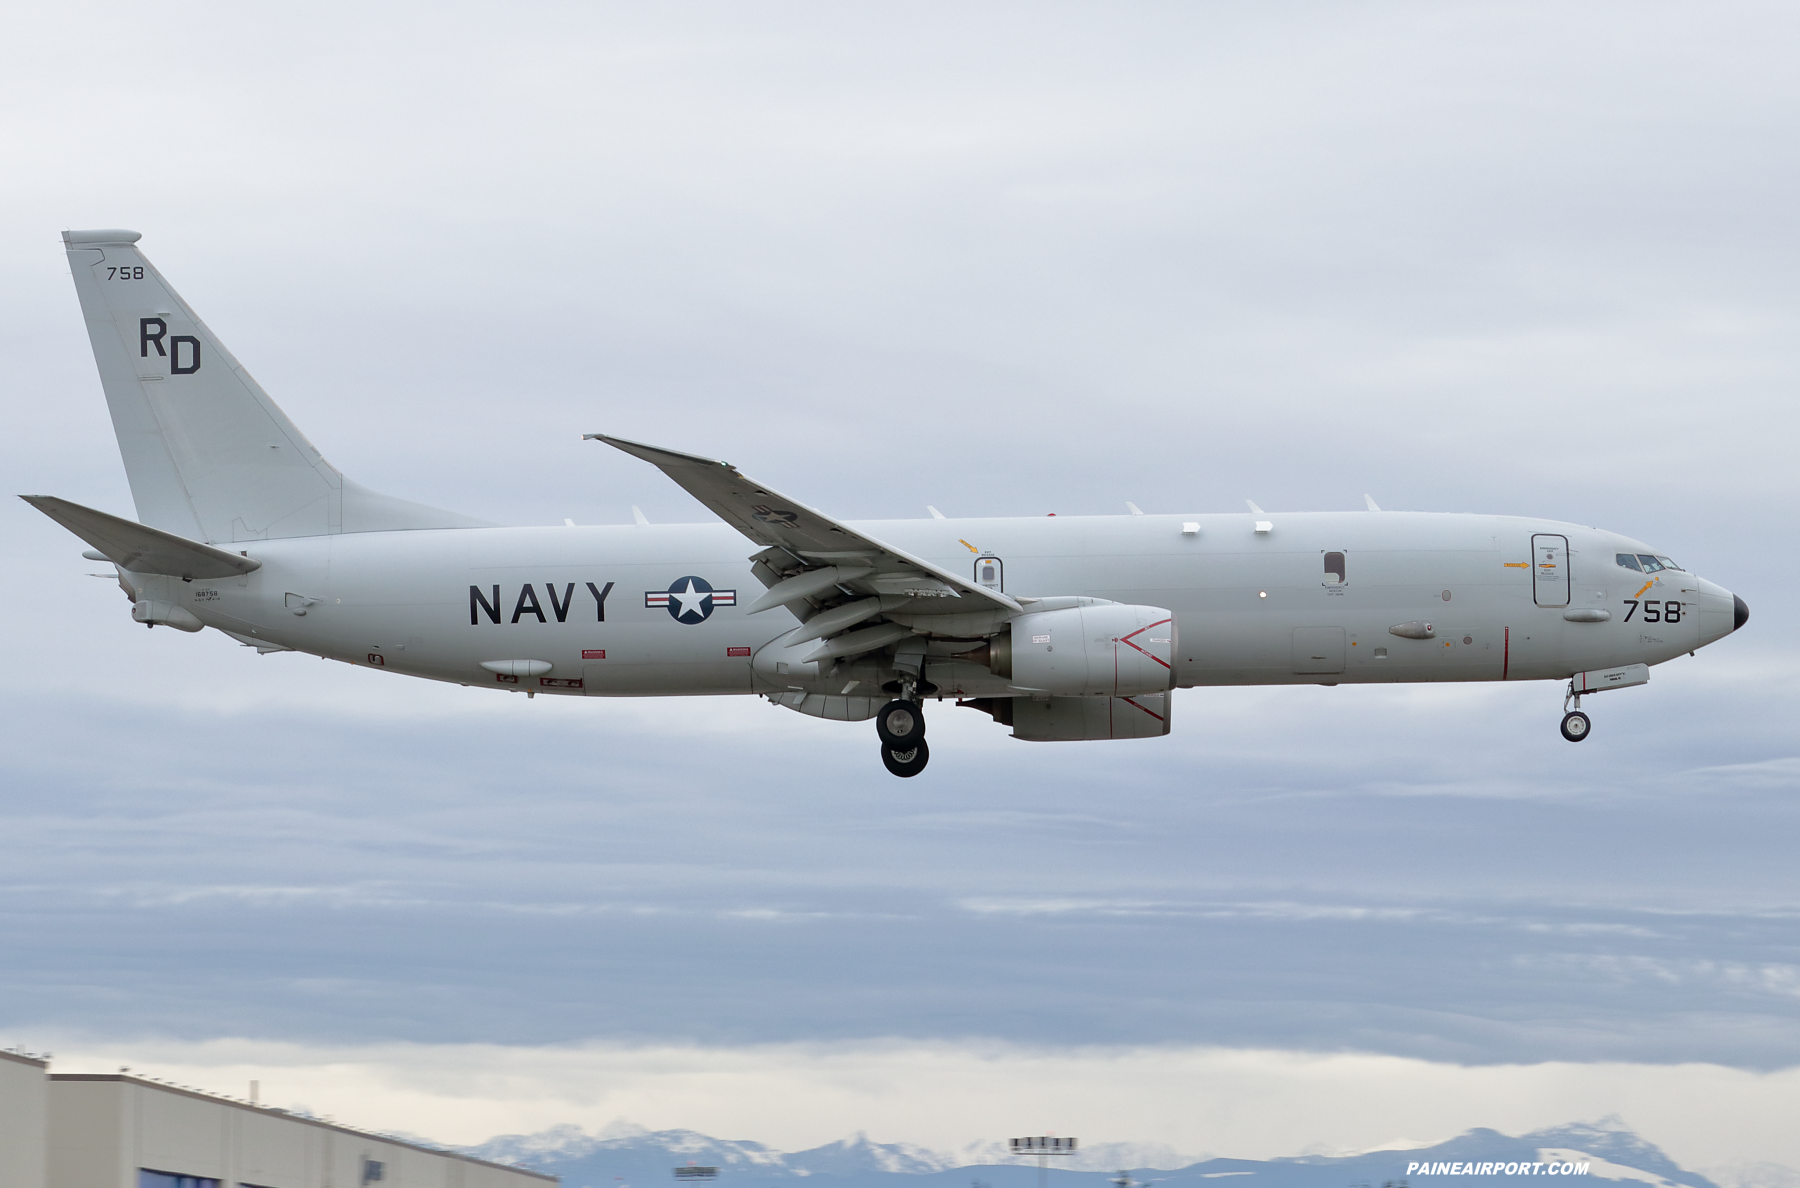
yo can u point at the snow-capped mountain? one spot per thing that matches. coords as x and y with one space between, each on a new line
627 1156
634 1152
854 1156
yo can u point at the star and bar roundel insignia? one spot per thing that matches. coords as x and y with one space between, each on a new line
690 600
774 517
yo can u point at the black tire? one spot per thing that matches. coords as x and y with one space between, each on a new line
906 762
900 724
1576 725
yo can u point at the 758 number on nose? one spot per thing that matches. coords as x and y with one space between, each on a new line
1655 612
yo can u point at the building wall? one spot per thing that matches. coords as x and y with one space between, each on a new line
23 1121
105 1129
87 1134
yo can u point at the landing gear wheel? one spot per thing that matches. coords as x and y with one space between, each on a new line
906 762
900 724
1575 726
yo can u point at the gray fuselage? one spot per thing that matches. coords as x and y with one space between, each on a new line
1250 607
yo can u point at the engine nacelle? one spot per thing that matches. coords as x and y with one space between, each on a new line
1078 719
1108 649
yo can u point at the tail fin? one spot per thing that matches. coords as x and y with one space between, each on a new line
210 457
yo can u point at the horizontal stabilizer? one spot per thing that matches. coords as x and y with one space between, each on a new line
141 549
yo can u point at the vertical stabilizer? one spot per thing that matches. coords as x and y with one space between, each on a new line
209 456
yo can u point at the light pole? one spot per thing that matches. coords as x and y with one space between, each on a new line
1044 1146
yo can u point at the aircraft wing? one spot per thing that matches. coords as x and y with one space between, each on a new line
139 548
771 519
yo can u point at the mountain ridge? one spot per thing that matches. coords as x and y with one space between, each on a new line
624 1155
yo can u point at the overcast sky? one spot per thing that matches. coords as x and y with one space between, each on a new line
1512 258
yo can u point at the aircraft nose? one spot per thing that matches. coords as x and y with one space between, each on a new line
1740 613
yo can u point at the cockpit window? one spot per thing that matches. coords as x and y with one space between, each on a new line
1627 560
1668 564
1651 564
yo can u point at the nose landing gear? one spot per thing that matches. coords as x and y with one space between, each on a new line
901 725
1575 724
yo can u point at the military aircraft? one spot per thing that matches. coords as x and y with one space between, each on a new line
1061 627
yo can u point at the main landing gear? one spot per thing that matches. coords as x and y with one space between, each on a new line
901 725
1575 724
906 763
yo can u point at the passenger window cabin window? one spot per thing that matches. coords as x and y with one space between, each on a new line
1334 569
1651 564
1627 560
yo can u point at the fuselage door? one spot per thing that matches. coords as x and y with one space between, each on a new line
1318 649
990 572
1550 570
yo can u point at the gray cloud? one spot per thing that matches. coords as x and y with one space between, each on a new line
509 875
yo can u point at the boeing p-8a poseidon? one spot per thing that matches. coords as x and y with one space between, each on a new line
1062 628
